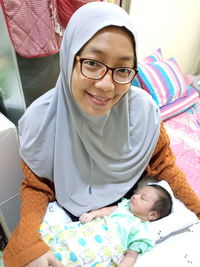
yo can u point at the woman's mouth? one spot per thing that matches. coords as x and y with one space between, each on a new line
99 100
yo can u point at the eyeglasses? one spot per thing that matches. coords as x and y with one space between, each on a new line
96 70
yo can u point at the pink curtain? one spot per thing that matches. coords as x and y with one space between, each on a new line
66 8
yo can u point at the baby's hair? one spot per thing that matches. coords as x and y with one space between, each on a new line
164 204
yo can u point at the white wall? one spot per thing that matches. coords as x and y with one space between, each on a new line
173 25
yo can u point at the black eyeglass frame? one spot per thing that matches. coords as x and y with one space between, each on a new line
80 59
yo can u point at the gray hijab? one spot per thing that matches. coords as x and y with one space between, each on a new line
93 161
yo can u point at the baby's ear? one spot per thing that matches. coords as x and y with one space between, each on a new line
153 215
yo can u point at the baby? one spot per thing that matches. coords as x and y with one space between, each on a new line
114 235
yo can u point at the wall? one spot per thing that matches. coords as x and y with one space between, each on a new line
173 25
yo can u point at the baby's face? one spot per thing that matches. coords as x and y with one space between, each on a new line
142 202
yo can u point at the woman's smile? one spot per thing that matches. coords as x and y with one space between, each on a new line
99 100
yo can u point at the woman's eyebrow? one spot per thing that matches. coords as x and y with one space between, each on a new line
95 50
100 52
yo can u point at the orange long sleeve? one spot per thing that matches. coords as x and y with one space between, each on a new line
163 166
25 243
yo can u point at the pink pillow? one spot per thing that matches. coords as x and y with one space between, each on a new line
180 105
164 80
155 56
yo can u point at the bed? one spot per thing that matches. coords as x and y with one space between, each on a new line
184 133
177 236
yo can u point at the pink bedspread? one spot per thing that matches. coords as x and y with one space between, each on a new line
184 133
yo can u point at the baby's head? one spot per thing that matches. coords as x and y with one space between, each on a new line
151 202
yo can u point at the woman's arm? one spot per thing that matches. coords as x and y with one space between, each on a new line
88 216
25 243
129 259
163 166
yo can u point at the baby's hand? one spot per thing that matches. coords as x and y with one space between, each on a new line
86 217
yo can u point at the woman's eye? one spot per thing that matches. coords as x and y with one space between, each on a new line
91 63
124 70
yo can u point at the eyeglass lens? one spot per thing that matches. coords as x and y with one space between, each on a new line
96 70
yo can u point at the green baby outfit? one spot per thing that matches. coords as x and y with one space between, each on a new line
101 242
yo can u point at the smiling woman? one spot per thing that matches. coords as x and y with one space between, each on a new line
97 95
87 142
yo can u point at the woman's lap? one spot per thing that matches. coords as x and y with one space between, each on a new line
77 244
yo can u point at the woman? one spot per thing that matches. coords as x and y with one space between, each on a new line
89 140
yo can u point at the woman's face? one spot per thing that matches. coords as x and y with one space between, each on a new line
113 47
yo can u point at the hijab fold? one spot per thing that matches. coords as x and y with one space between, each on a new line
93 161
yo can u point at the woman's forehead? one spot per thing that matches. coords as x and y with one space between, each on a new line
111 38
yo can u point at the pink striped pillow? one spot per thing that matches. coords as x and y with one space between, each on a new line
155 56
180 105
164 80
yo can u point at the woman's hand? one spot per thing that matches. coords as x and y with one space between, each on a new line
46 260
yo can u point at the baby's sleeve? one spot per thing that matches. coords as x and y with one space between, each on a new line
124 203
141 240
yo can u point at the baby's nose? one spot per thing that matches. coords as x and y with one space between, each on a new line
134 196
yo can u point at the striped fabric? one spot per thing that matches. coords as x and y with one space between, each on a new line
164 80
155 56
180 105
136 82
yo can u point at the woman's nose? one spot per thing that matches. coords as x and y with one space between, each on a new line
106 83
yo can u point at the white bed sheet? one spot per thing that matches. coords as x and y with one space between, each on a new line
181 250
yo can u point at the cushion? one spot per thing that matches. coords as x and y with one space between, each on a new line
155 56
136 82
180 105
180 218
164 80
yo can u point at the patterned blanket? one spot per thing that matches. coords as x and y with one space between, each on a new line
184 133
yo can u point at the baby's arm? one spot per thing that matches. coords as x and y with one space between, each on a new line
88 216
129 259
